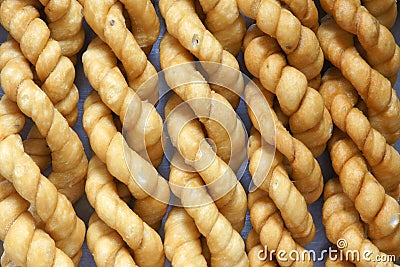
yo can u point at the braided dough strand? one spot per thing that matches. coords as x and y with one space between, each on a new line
36 147
224 243
305 11
100 66
376 91
341 221
56 72
184 24
107 21
214 112
309 120
268 223
306 171
340 98
385 11
24 244
182 240
65 21
276 182
106 245
141 238
145 22
380 211
53 208
298 42
141 177
225 22
380 46
187 136
69 161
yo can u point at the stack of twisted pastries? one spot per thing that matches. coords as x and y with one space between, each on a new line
195 214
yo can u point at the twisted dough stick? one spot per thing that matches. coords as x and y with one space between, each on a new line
340 98
184 24
69 161
305 11
144 22
306 171
341 221
380 211
380 46
182 240
225 22
100 66
381 100
225 245
55 71
309 120
65 23
267 222
214 112
298 42
384 11
53 208
106 245
188 137
107 21
276 182
257 254
11 119
24 244
141 238
36 147
141 178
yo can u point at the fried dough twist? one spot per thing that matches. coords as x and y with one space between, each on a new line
56 72
376 91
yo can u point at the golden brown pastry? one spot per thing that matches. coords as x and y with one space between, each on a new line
340 99
106 245
268 223
100 66
140 237
224 21
107 21
385 11
220 120
183 23
306 11
275 181
144 22
309 120
53 208
305 169
182 240
65 21
56 72
376 91
377 209
36 147
298 42
148 188
188 138
24 244
69 161
378 42
224 243
341 221
11 118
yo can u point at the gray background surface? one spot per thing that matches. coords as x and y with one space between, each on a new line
82 206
